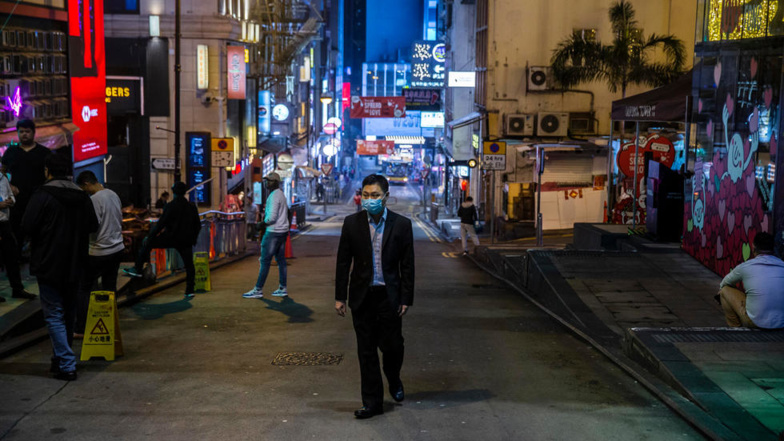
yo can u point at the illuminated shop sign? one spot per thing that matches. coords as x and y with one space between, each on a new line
743 19
202 66
88 78
427 64
433 119
198 159
122 96
236 72
14 103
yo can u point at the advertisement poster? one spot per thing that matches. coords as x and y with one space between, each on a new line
265 113
87 65
375 147
423 99
236 67
378 107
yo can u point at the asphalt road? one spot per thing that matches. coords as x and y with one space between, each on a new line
481 364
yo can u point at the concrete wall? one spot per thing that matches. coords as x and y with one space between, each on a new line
526 33
461 57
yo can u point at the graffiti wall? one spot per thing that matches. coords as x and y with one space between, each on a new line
734 150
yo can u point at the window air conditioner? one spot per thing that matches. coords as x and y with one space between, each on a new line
552 124
540 78
519 125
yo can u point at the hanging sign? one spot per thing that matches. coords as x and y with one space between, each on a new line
236 72
380 147
378 107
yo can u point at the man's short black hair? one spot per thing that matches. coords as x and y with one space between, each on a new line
165 194
469 199
179 188
764 243
86 177
25 124
59 165
379 180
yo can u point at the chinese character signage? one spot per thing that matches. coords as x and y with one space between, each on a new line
427 64
198 160
236 63
202 66
88 78
423 99
375 147
378 107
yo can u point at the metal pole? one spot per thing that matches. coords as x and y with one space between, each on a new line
492 207
610 161
540 170
177 71
636 160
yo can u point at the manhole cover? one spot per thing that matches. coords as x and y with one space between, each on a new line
306 359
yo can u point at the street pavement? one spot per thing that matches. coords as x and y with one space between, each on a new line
481 363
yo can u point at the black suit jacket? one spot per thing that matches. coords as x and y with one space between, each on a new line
397 260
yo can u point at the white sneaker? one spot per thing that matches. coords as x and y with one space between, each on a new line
280 292
255 293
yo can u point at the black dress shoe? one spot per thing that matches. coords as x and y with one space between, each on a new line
23 295
367 412
397 392
65 376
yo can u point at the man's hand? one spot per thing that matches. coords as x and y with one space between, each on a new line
402 310
6 203
340 308
15 190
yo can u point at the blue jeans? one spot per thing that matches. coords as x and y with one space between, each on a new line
272 244
58 303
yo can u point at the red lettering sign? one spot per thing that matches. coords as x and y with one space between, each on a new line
378 107
375 147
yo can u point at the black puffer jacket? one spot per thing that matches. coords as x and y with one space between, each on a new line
467 213
59 220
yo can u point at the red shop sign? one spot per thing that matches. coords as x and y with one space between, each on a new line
661 150
378 107
375 147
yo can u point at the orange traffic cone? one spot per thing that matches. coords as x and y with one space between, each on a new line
294 223
289 251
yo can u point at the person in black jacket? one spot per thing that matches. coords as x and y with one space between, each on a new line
468 216
375 272
178 228
59 220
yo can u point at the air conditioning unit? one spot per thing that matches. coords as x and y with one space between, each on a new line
540 78
552 124
519 125
581 123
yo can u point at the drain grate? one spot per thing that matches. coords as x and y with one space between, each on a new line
306 359
718 336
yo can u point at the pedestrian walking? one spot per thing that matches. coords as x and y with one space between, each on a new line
106 246
761 302
59 219
25 163
178 228
358 199
9 251
376 254
468 218
162 201
276 221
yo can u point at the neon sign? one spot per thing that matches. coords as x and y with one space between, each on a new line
15 105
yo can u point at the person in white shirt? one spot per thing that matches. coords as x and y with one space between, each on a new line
8 245
106 245
276 220
761 303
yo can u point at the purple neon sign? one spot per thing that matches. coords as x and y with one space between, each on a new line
15 105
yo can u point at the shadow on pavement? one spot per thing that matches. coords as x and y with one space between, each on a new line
435 399
297 312
149 311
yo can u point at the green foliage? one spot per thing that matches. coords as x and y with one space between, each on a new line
626 61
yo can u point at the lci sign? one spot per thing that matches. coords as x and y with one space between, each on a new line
88 78
198 160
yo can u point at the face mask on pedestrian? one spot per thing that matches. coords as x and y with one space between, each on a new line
374 206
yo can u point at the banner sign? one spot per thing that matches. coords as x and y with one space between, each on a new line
375 147
427 64
660 148
423 99
236 63
378 107
88 78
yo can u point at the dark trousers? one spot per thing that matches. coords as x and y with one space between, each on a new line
185 251
9 256
105 267
378 326
17 212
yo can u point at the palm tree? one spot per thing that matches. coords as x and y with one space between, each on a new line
626 61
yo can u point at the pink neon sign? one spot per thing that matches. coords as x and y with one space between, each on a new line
15 105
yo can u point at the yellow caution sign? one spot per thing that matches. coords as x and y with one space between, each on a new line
201 262
102 337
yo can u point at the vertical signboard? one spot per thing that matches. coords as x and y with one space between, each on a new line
88 78
264 113
202 66
427 64
198 158
236 72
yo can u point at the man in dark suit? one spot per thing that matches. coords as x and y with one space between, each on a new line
380 244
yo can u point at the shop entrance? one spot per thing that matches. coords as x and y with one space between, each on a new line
127 173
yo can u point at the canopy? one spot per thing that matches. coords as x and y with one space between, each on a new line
666 103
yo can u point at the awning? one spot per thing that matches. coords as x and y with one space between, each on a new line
419 140
666 103
52 137
464 121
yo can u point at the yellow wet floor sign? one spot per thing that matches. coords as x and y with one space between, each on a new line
102 337
201 263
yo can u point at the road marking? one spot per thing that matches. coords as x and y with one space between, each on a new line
451 255
428 232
